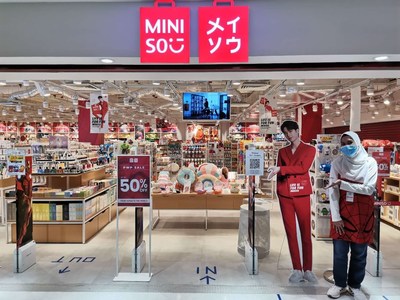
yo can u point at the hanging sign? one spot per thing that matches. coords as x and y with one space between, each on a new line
267 116
164 33
133 180
98 113
223 33
16 162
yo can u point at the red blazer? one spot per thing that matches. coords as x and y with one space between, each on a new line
293 178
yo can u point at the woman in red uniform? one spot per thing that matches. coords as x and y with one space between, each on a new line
352 184
294 190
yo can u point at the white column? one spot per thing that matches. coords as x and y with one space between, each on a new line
355 109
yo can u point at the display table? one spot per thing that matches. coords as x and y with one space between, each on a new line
196 201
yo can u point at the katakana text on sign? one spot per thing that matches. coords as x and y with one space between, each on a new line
223 34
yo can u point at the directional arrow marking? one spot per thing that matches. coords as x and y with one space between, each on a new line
207 278
65 271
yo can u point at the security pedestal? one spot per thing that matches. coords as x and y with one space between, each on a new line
262 230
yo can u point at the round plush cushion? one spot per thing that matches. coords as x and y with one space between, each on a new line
174 167
185 174
209 169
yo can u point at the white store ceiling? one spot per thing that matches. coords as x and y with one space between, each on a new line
133 96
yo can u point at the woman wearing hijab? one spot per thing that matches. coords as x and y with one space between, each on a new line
294 189
352 184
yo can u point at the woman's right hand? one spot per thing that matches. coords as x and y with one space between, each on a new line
339 227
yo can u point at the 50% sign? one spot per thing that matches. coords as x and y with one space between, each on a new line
133 185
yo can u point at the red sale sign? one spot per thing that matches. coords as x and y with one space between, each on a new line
133 180
164 34
383 161
223 33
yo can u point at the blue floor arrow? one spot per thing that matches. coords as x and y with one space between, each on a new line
207 278
64 270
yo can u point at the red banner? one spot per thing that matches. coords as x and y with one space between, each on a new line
134 173
164 34
223 33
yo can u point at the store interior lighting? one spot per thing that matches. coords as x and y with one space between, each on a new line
4 112
300 82
315 107
18 107
371 103
3 82
303 111
40 112
370 90
45 104
339 101
386 101
327 105
282 91
25 83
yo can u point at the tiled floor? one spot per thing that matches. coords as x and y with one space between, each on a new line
182 254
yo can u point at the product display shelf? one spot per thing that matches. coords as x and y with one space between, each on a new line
192 201
320 208
391 193
162 158
64 219
175 152
194 153
234 157
215 154
5 185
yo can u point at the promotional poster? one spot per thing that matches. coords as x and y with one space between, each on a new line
268 116
133 180
23 189
98 113
16 162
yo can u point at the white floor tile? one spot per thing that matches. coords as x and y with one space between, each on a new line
183 252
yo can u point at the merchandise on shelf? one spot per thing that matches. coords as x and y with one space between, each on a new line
327 149
194 154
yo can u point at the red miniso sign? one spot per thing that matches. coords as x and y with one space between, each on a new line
164 34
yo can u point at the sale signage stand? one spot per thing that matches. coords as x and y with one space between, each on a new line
254 167
133 190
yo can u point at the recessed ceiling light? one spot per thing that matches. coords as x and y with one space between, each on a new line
236 82
381 57
155 82
107 60
300 82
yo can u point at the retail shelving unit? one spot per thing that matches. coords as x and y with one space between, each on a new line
320 209
194 153
215 154
391 193
68 211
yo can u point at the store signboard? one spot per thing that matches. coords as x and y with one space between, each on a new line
164 33
15 162
223 33
98 113
268 115
254 162
328 138
134 176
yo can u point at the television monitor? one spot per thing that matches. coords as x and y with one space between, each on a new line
206 106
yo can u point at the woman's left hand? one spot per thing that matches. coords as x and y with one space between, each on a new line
333 184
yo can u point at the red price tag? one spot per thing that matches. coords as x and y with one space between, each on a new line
134 180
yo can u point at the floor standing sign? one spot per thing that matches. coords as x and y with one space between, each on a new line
20 165
133 190
254 166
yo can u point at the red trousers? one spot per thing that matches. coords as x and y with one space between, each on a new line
300 207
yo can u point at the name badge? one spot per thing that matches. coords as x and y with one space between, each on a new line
350 197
